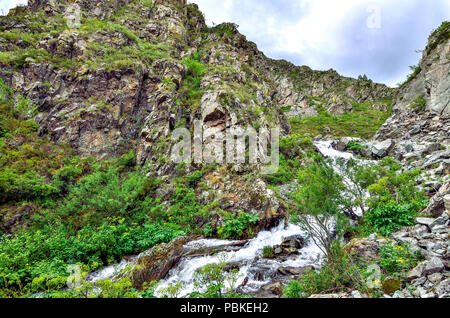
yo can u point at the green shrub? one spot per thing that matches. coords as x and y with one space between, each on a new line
268 252
388 218
194 178
337 275
234 227
214 281
397 260
419 104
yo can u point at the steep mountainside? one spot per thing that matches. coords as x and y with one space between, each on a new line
419 131
132 67
91 92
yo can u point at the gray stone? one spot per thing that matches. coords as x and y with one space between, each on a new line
443 288
435 265
425 221
356 294
278 250
436 277
373 237
419 292
416 272
447 204
382 149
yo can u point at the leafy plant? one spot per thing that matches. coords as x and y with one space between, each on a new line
234 227
388 218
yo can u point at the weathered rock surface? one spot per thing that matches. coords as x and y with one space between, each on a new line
154 264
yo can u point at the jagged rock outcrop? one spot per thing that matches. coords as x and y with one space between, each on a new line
431 79
420 126
130 72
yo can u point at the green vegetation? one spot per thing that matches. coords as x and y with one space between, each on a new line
419 104
363 121
388 218
83 211
234 227
293 150
215 281
268 252
394 203
416 71
191 91
441 35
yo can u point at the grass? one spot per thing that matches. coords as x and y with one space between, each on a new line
363 122
442 33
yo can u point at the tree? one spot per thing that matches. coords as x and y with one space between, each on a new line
320 202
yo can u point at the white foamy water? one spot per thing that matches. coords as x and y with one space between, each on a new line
327 150
248 258
108 271
253 269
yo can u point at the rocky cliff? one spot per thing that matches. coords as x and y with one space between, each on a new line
119 77
419 131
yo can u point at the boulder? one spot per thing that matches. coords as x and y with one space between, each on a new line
295 241
425 221
275 288
416 272
391 285
437 206
382 149
443 288
435 265
154 264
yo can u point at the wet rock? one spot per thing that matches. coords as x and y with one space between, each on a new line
274 288
154 264
296 271
195 250
295 241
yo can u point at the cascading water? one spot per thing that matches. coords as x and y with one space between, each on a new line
248 258
254 270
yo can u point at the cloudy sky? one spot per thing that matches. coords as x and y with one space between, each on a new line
378 38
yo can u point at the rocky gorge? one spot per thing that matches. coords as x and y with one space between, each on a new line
88 110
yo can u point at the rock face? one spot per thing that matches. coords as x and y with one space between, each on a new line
154 264
437 204
420 125
447 204
433 76
430 278
101 107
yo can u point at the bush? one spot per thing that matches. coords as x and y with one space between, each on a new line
194 178
234 228
45 255
396 260
338 274
214 281
268 252
391 217
419 104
